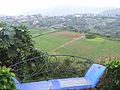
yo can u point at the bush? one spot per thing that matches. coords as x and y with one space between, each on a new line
90 35
32 64
6 81
16 46
111 79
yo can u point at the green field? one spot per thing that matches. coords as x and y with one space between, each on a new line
35 32
90 48
50 41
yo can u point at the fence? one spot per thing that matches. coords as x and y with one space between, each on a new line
55 66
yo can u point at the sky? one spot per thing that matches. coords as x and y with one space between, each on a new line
16 7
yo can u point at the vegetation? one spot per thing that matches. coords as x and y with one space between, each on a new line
61 66
37 32
93 48
103 25
6 82
90 35
16 46
89 48
111 79
50 41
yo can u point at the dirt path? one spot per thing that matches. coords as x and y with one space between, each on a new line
67 43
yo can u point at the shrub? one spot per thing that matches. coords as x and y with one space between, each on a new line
90 35
6 81
111 79
32 64
16 46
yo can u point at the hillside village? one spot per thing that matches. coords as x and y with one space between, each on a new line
103 25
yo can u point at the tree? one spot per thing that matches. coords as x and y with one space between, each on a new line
16 45
2 24
90 35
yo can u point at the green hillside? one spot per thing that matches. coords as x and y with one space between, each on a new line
53 43
92 48
35 32
50 41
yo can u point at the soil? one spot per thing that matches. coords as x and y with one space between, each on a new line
68 35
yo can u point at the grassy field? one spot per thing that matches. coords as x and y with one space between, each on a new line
90 48
50 41
35 32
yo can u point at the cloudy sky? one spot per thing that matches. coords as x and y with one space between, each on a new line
15 7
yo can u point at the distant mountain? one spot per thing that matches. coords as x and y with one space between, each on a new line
65 10
111 12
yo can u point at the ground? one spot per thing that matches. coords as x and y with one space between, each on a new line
72 43
68 34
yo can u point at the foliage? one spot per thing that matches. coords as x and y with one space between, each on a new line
90 35
16 46
68 68
90 48
83 23
111 79
2 24
55 67
50 41
6 81
28 69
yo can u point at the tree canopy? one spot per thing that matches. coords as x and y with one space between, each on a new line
15 44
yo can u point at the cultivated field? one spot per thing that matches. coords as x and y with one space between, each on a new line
76 44
49 42
35 32
92 48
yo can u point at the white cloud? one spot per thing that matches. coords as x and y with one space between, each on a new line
14 7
